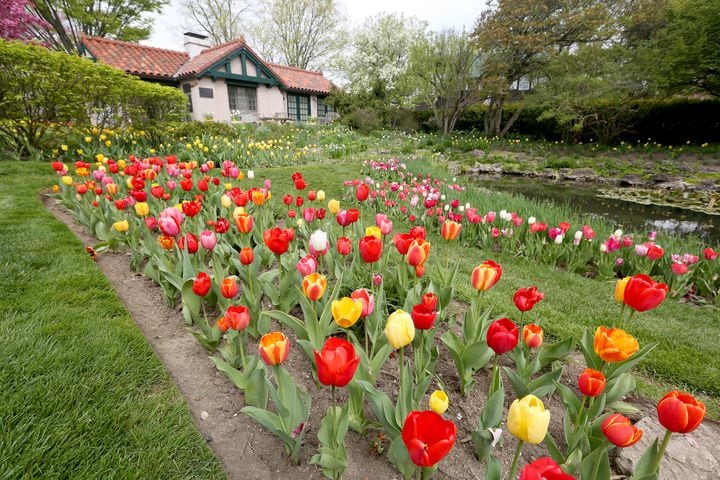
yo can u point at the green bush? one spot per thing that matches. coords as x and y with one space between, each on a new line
40 89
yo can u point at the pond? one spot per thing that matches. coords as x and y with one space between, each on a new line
584 198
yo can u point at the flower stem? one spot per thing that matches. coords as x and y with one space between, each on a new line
334 426
516 457
661 452
240 339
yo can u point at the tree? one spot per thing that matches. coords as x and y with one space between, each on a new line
67 20
222 20
380 52
518 37
687 51
300 33
441 69
16 22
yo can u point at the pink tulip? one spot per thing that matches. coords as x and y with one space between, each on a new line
208 240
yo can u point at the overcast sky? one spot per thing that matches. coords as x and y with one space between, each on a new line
168 26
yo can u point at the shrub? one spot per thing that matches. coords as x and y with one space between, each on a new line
40 89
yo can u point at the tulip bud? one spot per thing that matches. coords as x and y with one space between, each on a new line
274 348
591 382
620 431
680 412
620 289
314 286
399 329
533 335
528 420
439 402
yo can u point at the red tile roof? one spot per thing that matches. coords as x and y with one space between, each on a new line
134 58
154 62
304 80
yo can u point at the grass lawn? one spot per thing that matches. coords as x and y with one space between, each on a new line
83 394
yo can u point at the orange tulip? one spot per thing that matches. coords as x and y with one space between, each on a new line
619 430
614 344
680 412
450 230
418 252
485 276
244 222
314 286
533 335
274 348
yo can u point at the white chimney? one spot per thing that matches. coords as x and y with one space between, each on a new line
195 43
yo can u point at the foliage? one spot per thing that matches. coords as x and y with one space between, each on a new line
16 22
441 71
221 20
40 88
65 21
303 34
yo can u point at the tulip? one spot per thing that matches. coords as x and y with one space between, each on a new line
383 223
710 254
430 300
439 402
417 252
533 335
642 293
201 284
121 226
399 329
334 206
373 231
591 382
528 420
229 287
344 246
191 241
614 344
370 249
655 252
620 431
486 275
679 268
142 209
306 265
274 348
208 239
346 311
278 239
314 286
237 317
366 299
450 230
428 437
620 287
247 256
166 242
318 243
191 209
336 362
502 336
244 222
423 317
526 298
544 469
680 412
362 192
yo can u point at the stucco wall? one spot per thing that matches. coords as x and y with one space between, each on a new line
236 67
271 102
217 106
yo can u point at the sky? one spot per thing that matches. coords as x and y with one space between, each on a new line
169 24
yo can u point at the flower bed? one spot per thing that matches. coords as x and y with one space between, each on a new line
358 299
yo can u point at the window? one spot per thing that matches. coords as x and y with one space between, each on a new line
206 92
186 89
242 99
298 107
322 108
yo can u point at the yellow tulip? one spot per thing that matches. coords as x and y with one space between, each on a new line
346 311
399 329
373 231
320 195
620 289
237 212
55 188
439 402
108 143
334 206
528 420
121 163
226 201
142 209
121 226
88 139
67 180
64 148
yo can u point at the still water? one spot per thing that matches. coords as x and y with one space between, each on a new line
584 199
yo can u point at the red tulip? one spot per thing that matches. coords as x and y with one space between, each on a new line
710 254
287 199
619 430
526 298
278 239
544 469
191 208
591 382
402 242
191 240
228 287
247 256
430 300
344 246
423 317
370 249
418 252
680 412
679 268
655 252
643 293
362 192
336 362
201 284
237 317
502 335
428 437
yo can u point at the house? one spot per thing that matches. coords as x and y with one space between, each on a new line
228 82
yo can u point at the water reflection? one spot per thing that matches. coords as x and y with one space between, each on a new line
583 198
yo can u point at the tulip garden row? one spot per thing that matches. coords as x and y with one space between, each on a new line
355 295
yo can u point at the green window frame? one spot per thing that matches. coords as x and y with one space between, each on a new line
322 108
298 107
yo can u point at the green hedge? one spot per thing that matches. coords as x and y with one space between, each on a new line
673 121
41 88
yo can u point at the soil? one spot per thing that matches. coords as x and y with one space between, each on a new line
245 450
